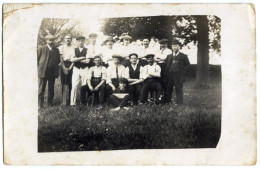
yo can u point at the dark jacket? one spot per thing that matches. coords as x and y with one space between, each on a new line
183 62
43 58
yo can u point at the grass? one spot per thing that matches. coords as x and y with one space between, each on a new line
196 124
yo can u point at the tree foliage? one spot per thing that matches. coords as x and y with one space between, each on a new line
58 27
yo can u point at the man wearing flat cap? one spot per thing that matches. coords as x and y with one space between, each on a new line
176 63
93 48
80 70
114 73
48 59
151 74
108 51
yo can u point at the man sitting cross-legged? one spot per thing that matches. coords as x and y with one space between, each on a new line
120 96
96 80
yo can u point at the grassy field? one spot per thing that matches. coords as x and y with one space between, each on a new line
196 124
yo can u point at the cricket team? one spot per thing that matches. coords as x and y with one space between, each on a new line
119 72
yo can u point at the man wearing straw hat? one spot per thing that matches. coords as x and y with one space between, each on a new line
108 51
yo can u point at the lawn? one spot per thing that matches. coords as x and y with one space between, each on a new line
196 124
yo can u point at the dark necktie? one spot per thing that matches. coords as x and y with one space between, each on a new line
116 72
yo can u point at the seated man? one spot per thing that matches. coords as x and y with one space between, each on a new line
114 73
96 80
151 74
135 83
120 96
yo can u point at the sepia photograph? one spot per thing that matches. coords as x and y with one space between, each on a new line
129 83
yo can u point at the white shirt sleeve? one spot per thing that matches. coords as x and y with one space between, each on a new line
89 73
157 70
127 75
109 75
104 73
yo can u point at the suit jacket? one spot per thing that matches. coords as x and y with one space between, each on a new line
42 60
183 62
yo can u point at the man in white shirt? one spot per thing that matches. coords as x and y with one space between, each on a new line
151 74
108 51
67 52
93 48
114 73
96 79
80 70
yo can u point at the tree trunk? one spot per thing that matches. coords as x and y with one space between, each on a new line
202 72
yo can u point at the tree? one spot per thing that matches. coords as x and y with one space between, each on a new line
58 27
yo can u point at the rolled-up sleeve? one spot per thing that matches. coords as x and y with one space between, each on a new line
157 71
108 75
104 73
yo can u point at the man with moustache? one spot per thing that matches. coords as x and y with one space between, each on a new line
176 63
67 52
48 59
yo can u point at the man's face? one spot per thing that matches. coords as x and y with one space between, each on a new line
175 48
163 45
109 44
146 43
93 40
133 59
50 42
116 61
68 40
97 61
81 42
150 60
126 42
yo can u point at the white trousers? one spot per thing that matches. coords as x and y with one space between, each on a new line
79 78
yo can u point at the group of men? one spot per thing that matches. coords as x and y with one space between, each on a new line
116 75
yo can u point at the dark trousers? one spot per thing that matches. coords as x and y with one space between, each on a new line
99 96
174 80
135 91
66 80
117 102
149 85
109 90
83 94
42 84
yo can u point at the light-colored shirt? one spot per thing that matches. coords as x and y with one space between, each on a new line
127 70
107 54
67 52
146 51
164 53
93 50
97 72
147 69
50 48
111 72
175 54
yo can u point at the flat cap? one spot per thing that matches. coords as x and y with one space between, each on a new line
149 55
80 38
134 54
175 42
48 37
92 35
117 56
163 41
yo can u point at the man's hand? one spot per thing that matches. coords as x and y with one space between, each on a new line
96 88
65 70
91 88
113 88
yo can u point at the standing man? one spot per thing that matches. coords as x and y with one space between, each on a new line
176 64
114 73
133 72
151 74
48 58
108 51
80 70
67 52
126 49
96 80
93 48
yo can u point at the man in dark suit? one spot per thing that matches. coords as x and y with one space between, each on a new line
48 59
176 64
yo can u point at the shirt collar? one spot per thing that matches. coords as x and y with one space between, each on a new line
176 53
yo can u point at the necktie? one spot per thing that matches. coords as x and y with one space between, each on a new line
116 72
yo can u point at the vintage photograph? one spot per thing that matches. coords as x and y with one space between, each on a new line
148 82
